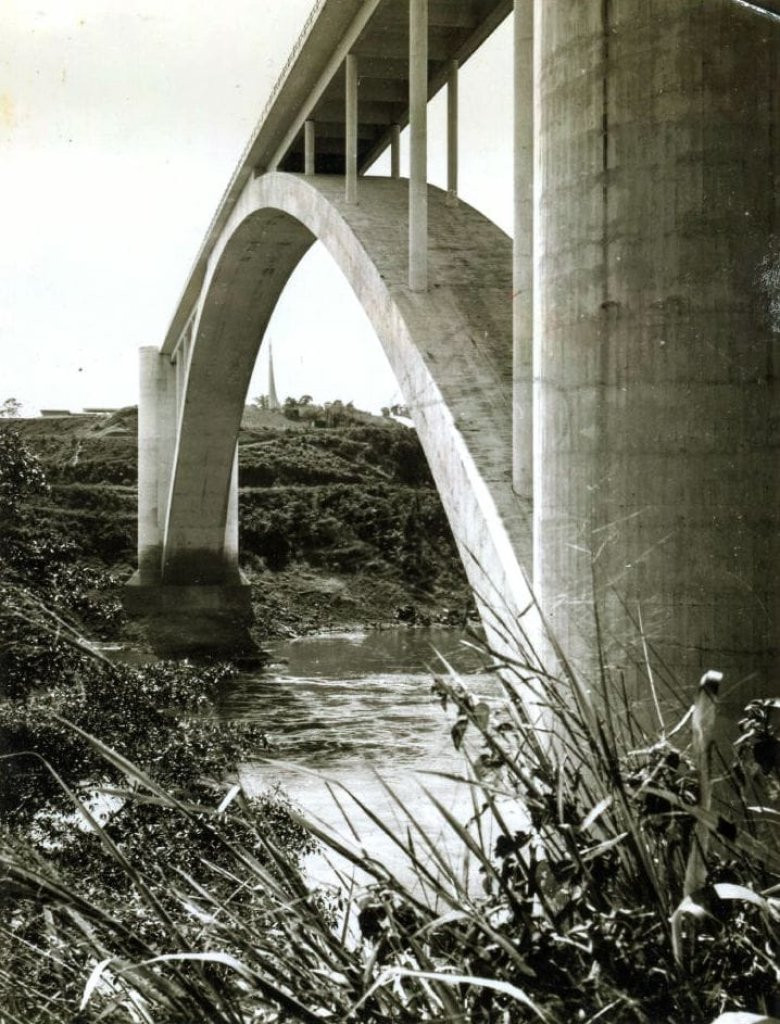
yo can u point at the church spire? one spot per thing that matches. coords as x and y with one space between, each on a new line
273 398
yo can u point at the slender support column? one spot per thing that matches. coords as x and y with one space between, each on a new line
523 264
156 441
452 132
187 613
308 147
395 151
231 522
418 142
179 369
182 362
351 72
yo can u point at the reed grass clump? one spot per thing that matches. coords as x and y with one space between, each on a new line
607 874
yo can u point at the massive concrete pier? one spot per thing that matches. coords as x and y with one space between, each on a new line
656 361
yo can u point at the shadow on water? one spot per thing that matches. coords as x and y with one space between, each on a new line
182 636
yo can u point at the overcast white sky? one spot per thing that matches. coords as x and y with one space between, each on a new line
120 124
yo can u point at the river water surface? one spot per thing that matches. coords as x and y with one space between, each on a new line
356 707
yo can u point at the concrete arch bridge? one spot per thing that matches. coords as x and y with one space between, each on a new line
599 399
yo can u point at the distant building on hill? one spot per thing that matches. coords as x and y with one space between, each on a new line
51 413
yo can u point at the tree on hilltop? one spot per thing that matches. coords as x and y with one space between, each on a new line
11 408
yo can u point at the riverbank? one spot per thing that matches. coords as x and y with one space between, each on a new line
303 602
340 523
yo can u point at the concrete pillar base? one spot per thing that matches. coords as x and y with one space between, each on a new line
191 619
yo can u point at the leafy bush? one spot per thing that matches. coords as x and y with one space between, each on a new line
41 567
21 474
405 527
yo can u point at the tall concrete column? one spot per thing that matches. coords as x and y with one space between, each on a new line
351 127
523 266
179 370
156 442
181 363
418 145
452 132
659 382
395 151
308 147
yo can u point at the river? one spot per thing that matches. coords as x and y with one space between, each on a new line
356 707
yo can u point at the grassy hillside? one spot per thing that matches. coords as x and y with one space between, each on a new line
340 523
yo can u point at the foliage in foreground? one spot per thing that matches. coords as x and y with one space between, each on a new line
627 892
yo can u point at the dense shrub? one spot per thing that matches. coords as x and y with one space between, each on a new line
21 475
42 571
404 527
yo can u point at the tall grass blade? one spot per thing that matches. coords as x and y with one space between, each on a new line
467 979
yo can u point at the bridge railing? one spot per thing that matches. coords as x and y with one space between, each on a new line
291 58
235 184
269 103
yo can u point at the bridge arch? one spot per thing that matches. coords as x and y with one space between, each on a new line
450 349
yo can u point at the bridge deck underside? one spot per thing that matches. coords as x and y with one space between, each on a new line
455 29
312 87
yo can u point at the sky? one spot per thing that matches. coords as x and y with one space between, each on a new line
121 122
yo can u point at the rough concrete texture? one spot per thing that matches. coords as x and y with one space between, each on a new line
450 348
656 483
158 381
